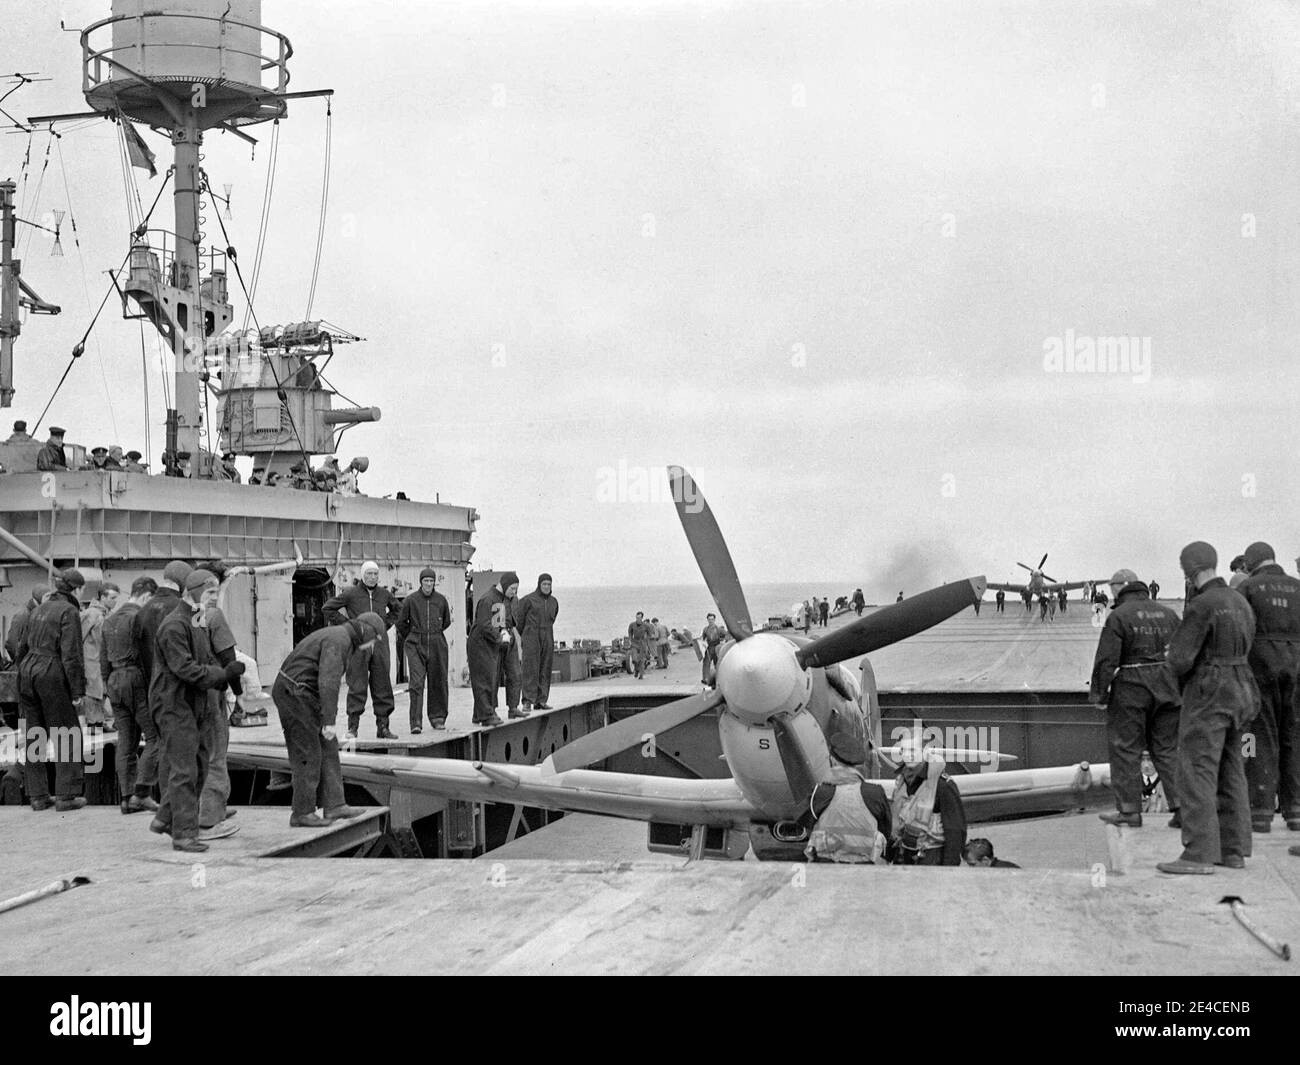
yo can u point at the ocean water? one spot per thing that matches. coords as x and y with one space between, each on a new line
602 613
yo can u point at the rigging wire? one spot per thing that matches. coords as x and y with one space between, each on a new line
144 374
85 289
264 220
134 206
36 198
80 347
333 388
324 203
270 362
126 184
26 170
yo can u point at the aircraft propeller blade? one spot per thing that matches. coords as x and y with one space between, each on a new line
892 623
1047 578
1023 566
1042 561
711 553
797 771
610 740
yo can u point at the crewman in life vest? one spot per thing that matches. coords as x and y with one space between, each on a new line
850 823
929 821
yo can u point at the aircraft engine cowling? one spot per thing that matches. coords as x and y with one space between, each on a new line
761 677
752 753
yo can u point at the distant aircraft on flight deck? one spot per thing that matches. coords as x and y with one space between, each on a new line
1040 584
789 717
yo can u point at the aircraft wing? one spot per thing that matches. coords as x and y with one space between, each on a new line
634 796
1053 782
1050 781
1070 586
639 797
1017 588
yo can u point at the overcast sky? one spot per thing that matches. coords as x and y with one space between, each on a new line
815 252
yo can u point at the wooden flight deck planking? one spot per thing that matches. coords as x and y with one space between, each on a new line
151 910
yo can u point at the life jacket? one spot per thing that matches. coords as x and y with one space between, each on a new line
846 830
917 824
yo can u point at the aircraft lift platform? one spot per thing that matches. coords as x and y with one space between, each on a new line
970 672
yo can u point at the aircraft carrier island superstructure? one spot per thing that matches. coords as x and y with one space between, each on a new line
186 67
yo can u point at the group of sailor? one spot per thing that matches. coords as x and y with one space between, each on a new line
53 455
1212 698
162 662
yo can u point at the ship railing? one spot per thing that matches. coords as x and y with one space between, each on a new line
154 255
99 65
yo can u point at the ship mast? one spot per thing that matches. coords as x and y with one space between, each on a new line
184 68
14 293
183 421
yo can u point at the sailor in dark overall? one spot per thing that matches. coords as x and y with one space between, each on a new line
17 626
18 623
185 670
368 669
493 618
421 623
128 691
1208 655
306 696
535 617
52 456
713 636
1131 679
1273 773
51 684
